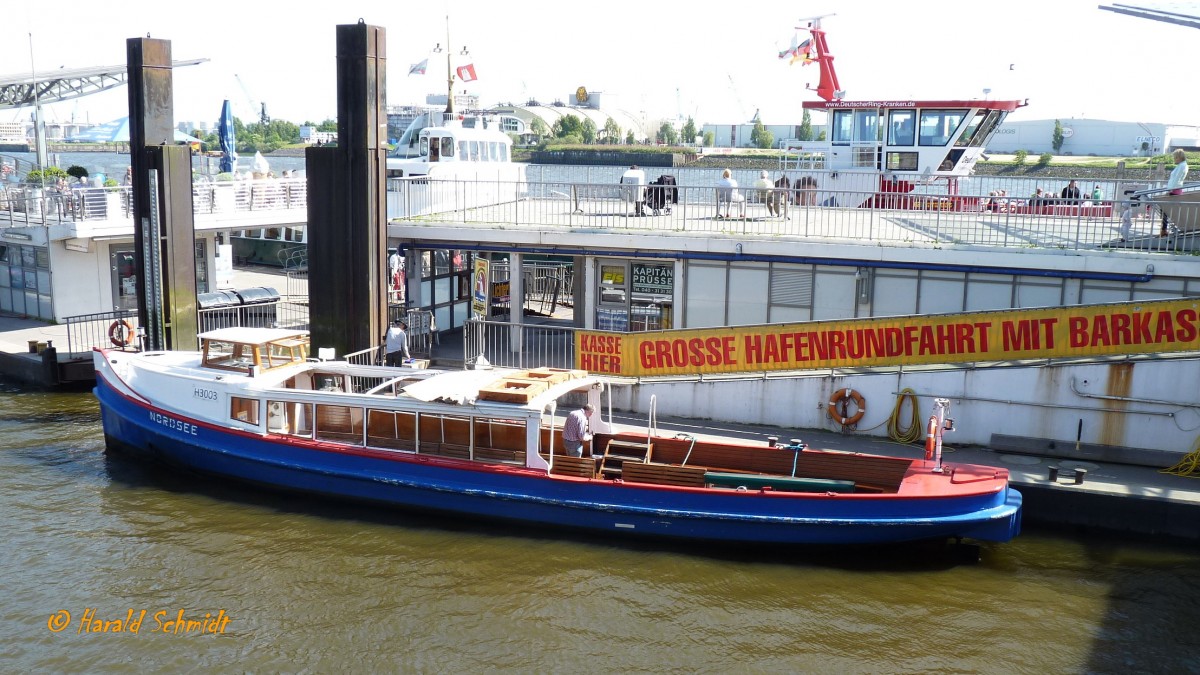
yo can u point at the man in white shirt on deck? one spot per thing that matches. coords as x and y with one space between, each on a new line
396 344
575 431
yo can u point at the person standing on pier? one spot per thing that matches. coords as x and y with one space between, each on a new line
396 344
1175 182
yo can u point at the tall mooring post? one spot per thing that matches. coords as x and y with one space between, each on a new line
347 207
163 221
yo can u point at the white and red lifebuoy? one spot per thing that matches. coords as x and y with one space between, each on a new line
121 333
841 398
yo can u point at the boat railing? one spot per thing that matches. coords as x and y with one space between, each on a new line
508 345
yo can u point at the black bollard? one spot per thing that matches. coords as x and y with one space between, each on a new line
1054 474
50 364
1079 474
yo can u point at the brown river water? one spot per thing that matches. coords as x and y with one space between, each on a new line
272 583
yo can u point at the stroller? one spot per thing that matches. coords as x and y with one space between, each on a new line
661 194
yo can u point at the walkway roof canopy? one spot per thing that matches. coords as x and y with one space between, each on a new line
18 91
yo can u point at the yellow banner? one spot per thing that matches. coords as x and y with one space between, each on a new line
1087 330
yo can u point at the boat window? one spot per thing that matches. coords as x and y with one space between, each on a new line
243 409
424 149
288 417
463 150
866 126
902 161
843 125
939 126
982 128
393 430
339 423
447 147
273 233
902 124
503 152
972 128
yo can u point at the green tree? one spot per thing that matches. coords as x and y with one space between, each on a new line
611 133
821 135
1044 159
760 136
710 138
538 128
667 134
688 134
629 138
1056 140
1020 157
566 126
588 131
805 133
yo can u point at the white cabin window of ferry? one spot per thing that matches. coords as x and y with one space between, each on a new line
423 150
866 126
288 417
254 234
982 126
295 234
503 152
447 147
939 126
843 126
274 233
902 125
243 409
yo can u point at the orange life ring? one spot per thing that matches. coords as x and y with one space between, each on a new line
841 396
120 333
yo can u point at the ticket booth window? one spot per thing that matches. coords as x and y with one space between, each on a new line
652 288
612 297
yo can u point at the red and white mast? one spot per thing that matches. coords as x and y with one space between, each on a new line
828 87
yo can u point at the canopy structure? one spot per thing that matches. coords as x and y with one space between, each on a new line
117 131
25 90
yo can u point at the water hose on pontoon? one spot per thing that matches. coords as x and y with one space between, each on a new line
1189 466
896 431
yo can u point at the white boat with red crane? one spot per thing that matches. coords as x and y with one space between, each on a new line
888 153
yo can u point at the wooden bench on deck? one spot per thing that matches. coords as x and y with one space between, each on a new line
663 474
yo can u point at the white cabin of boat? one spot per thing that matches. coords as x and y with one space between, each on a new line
459 141
909 139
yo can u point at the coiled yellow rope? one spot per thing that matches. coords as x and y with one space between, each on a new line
1189 466
895 426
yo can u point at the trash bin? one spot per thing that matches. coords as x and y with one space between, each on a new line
258 306
218 309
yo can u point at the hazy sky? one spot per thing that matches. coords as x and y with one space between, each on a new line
715 62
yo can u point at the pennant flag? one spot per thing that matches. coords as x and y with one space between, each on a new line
791 50
801 51
467 73
418 68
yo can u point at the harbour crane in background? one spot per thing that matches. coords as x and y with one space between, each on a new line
736 96
263 118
